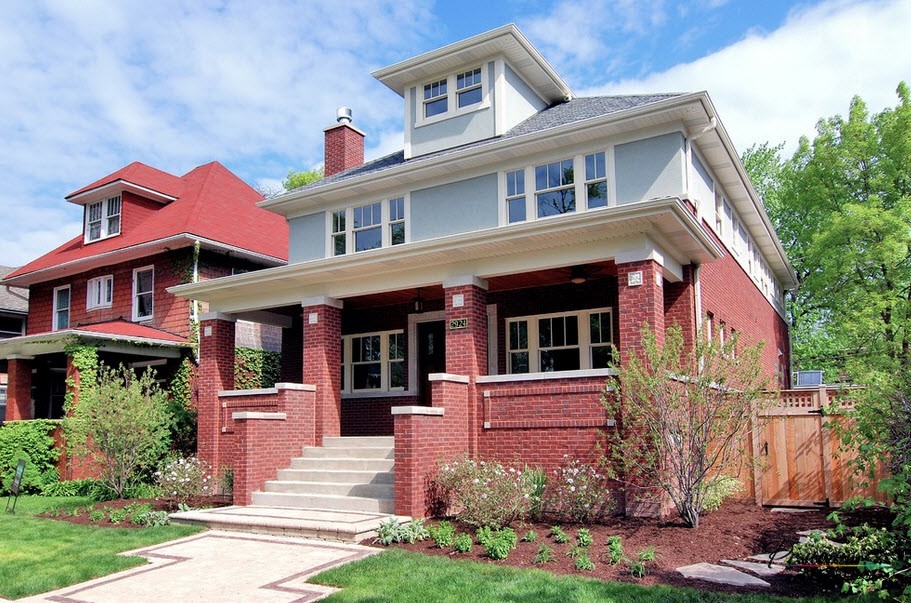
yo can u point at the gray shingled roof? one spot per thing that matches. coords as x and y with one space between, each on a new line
560 114
12 298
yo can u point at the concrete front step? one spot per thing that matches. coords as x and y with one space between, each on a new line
324 501
359 441
355 452
336 488
327 475
343 464
342 526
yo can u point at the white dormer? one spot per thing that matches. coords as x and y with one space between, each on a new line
472 90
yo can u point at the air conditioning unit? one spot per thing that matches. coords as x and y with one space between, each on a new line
807 379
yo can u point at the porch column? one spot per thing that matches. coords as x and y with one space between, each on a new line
641 301
19 388
216 373
680 306
322 353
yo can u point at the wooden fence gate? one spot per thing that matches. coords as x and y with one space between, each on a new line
801 462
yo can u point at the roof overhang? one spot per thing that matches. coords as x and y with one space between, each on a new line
29 346
662 229
133 252
118 186
505 41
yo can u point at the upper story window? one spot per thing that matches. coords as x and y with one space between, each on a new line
61 308
143 293
560 342
102 219
595 180
454 94
370 226
99 292
515 196
555 192
373 362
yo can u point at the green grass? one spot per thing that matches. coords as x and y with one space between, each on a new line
38 555
405 577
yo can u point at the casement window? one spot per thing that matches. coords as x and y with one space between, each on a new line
371 226
452 95
99 292
515 196
595 181
555 191
559 342
143 293
102 219
61 308
373 362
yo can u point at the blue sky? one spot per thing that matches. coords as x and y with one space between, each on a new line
92 86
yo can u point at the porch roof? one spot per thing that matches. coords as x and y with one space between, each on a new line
114 336
661 229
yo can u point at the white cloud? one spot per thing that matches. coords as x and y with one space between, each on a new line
775 86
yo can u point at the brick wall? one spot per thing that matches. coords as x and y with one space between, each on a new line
680 305
344 149
216 373
639 305
19 390
372 416
322 353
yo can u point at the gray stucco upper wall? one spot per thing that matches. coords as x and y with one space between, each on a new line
521 102
649 168
454 208
307 238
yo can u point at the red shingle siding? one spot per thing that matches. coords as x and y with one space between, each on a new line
134 210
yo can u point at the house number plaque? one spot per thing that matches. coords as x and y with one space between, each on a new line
458 323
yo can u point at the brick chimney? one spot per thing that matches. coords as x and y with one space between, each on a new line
344 144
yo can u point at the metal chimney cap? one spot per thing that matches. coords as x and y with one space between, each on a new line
344 115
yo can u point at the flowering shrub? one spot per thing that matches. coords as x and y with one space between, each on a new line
577 492
183 478
485 493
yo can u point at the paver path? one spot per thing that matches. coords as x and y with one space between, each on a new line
218 566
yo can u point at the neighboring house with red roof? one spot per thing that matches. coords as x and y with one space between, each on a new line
13 315
144 230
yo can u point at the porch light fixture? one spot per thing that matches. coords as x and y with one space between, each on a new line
417 304
578 275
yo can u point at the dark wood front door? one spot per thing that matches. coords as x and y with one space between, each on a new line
431 355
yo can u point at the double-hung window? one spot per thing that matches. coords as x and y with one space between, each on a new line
61 308
99 292
468 88
436 99
397 221
370 226
515 196
452 95
560 342
339 232
102 219
555 191
373 362
143 293
595 181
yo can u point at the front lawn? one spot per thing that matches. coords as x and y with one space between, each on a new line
406 577
38 555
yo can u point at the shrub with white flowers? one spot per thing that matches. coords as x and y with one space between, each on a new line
484 493
183 478
577 492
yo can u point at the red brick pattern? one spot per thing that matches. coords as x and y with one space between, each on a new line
639 305
344 149
322 353
680 306
372 416
19 390
216 373
466 349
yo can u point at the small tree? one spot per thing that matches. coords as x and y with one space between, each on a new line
685 415
123 425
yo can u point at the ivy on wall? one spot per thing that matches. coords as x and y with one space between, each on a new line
255 369
85 360
181 408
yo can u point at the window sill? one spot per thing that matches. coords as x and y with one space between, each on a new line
377 394
605 372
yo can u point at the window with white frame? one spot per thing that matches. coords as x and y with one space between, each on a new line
143 293
555 191
560 342
436 100
99 292
102 219
468 88
366 227
595 181
454 94
373 362
515 196
61 307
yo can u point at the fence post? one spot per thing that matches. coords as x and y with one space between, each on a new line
826 449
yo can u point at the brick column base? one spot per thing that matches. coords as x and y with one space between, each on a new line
216 373
19 390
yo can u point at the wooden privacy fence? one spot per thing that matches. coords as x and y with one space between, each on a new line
800 459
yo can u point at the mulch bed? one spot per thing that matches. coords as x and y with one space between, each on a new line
735 531
83 518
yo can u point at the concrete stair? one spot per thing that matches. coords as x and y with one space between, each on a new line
345 474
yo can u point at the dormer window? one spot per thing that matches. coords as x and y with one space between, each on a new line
435 98
468 87
102 219
453 95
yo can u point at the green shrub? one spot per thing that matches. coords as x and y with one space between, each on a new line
719 489
413 531
530 536
391 531
637 569
142 490
116 516
96 515
536 480
647 554
584 538
484 493
499 544
583 563
153 519
544 555
484 535
577 492
614 549
32 441
442 534
462 543
559 535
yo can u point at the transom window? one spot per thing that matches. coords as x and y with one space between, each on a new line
457 93
595 181
62 308
102 219
100 292
560 342
143 293
370 226
555 192
373 362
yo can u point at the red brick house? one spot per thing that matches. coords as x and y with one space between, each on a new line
462 295
144 230
13 316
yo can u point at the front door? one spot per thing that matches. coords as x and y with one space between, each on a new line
431 355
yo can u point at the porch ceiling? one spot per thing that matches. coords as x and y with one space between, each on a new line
556 243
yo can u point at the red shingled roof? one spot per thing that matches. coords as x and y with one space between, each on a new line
123 328
211 203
